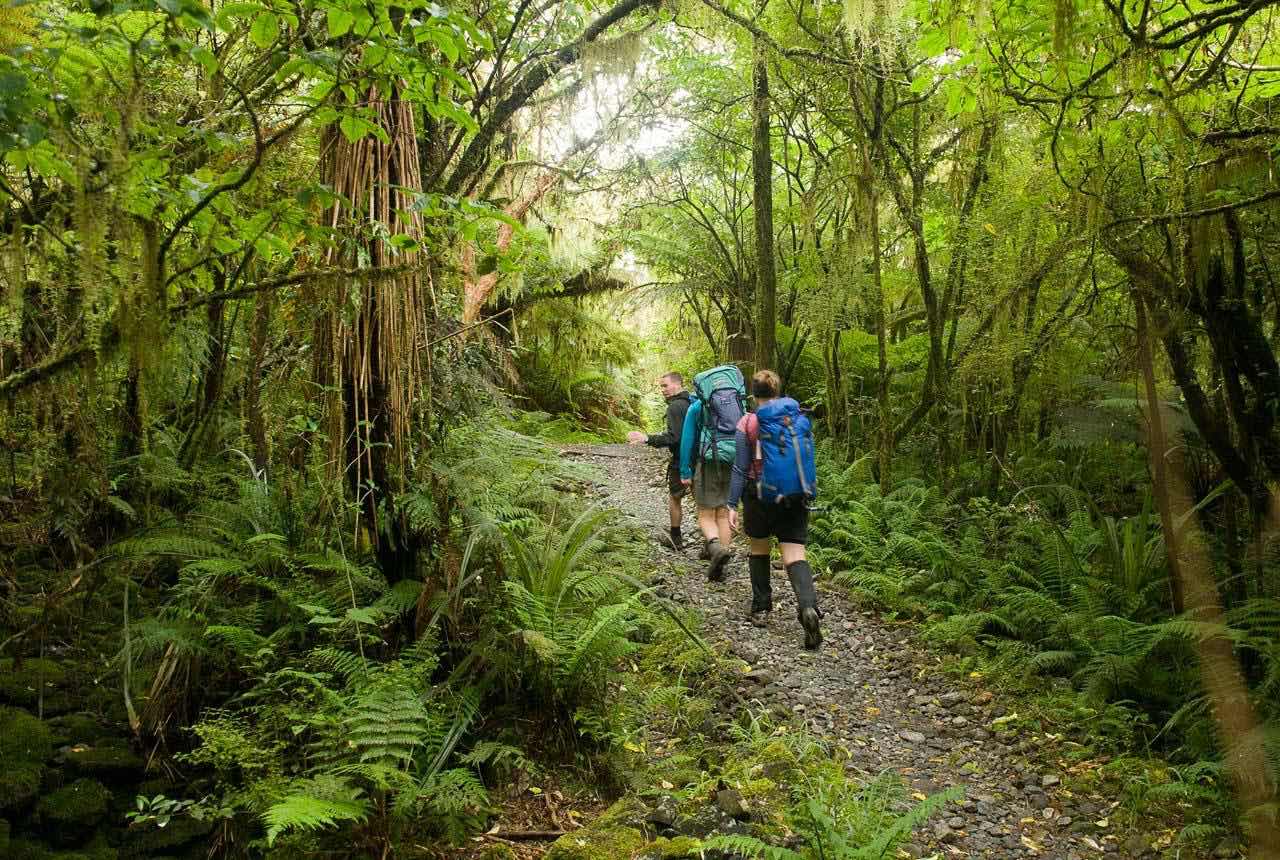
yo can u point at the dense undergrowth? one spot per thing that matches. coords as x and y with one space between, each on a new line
291 699
1069 607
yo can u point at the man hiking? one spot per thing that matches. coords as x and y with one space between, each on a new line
706 457
773 475
672 387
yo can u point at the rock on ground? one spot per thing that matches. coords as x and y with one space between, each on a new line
869 690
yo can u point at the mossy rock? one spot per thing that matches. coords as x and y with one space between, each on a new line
107 759
25 744
497 851
19 784
23 737
154 841
615 835
27 849
24 685
679 848
598 843
78 728
69 814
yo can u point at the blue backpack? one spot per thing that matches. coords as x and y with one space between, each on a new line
786 449
723 395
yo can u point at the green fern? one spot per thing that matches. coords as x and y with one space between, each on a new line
314 805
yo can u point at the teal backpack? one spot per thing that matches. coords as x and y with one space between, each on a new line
723 395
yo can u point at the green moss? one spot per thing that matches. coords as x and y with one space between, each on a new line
25 743
98 849
20 783
613 836
23 737
154 841
497 852
76 729
598 843
79 805
22 686
679 848
26 849
105 759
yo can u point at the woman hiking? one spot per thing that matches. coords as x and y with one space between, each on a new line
773 476
707 454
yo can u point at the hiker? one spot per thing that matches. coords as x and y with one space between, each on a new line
773 475
706 457
671 384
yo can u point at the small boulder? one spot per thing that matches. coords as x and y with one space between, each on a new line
731 804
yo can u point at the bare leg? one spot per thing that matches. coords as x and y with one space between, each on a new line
791 552
707 523
723 529
677 512
760 546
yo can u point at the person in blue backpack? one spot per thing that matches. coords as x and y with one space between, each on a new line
706 457
774 478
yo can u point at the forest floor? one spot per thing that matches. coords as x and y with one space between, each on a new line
878 699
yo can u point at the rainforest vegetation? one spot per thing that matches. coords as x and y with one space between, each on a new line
302 300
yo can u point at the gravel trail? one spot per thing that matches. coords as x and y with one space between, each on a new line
871 690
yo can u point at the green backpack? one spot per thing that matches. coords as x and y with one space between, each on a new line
723 395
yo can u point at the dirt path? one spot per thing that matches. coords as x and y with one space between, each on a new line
871 691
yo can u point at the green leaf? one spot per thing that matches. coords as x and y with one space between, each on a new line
265 29
206 58
362 615
340 22
353 127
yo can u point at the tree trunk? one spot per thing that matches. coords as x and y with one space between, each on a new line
376 358
1157 451
762 199
255 420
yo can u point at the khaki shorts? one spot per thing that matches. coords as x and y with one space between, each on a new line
711 484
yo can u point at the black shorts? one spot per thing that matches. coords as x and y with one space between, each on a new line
787 520
674 485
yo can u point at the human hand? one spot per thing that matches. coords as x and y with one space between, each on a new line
733 519
687 482
635 437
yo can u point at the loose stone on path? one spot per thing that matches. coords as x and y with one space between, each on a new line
871 692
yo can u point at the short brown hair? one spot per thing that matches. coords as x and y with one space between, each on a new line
765 383
674 376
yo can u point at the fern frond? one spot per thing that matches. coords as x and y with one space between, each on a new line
315 805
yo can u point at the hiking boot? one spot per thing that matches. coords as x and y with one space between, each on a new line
719 561
812 630
671 541
760 618
704 554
